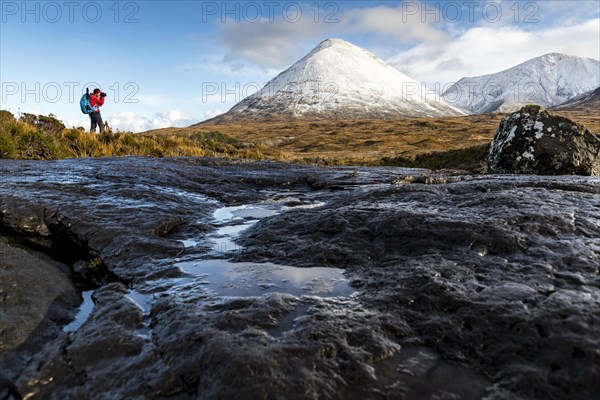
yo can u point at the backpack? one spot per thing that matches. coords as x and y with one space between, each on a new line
84 103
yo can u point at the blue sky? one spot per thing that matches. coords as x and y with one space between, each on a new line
174 63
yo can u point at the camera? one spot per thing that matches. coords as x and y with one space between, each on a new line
102 94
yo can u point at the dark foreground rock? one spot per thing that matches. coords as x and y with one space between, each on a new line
466 288
532 141
37 298
497 274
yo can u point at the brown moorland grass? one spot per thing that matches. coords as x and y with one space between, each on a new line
587 115
360 142
434 143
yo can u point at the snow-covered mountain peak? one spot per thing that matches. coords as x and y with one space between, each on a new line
552 57
333 42
547 80
338 80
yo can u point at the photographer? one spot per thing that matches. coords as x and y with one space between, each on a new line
96 101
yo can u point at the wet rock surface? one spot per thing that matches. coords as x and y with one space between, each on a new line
207 281
37 297
533 141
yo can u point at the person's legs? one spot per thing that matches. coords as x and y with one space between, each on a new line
96 121
100 123
92 123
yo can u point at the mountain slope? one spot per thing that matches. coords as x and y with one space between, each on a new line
593 96
338 80
548 80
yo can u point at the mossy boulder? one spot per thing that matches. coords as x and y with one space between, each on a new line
533 141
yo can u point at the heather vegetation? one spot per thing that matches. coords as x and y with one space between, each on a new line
432 143
45 138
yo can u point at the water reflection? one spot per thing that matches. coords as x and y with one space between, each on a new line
225 278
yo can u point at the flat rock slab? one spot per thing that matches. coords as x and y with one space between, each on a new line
466 288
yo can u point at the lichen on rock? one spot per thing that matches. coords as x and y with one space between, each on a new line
533 141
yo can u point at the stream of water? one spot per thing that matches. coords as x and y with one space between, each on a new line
219 277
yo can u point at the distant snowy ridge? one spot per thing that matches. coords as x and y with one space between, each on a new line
338 80
549 80
585 98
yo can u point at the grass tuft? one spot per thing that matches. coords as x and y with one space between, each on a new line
45 138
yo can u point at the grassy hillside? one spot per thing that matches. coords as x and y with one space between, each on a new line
434 143
587 114
45 138
366 142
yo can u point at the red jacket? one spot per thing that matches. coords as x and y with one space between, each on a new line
96 102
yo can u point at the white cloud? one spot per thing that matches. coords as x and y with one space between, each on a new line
401 24
75 123
169 118
129 121
275 44
485 50
443 50
213 113
267 44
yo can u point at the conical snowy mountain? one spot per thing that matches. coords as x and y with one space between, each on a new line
548 81
338 80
